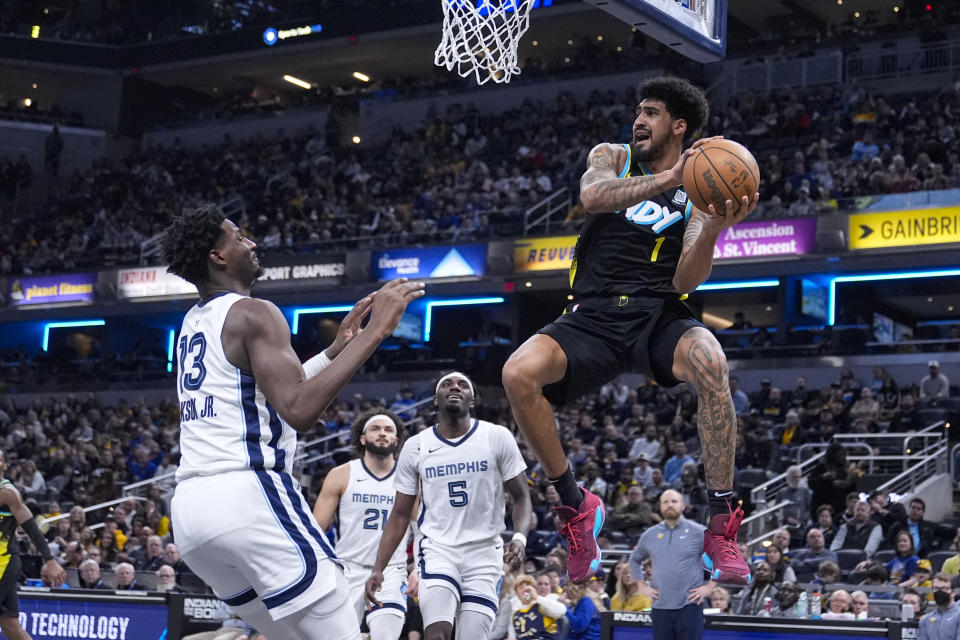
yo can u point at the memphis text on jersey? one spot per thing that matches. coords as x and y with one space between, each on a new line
455 469
188 409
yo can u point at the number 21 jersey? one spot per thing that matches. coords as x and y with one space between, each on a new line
461 480
364 508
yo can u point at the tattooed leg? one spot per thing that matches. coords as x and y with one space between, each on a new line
699 359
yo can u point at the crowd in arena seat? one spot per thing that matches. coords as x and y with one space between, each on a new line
469 176
626 444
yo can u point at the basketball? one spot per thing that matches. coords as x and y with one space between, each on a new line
719 171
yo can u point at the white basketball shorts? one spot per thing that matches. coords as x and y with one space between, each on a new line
393 592
473 572
250 535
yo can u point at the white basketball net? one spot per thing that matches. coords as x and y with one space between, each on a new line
480 37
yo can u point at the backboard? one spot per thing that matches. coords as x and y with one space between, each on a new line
694 28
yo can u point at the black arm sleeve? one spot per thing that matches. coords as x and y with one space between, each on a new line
32 530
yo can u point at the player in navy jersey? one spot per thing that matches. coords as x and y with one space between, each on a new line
240 519
360 495
642 249
460 467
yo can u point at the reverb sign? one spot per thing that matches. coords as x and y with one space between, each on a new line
429 262
543 254
907 228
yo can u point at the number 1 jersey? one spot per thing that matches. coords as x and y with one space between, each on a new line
226 423
460 481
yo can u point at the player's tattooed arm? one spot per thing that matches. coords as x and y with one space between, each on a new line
696 256
601 191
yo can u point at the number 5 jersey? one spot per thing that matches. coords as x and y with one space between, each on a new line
461 480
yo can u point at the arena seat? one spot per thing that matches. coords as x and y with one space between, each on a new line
884 555
937 558
847 559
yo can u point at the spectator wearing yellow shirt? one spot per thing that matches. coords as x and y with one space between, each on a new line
921 577
627 596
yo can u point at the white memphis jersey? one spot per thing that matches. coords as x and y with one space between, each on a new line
461 482
226 423
363 512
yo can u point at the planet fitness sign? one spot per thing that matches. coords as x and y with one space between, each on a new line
69 287
767 239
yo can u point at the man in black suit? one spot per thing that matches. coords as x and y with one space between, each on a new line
922 532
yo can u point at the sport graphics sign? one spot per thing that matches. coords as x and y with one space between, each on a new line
429 262
146 282
69 287
767 239
296 271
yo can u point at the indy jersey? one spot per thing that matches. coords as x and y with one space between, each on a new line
8 527
460 482
533 624
633 252
363 512
226 423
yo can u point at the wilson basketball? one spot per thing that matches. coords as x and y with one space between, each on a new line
719 171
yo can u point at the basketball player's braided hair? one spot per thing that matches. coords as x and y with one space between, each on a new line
683 100
189 239
356 429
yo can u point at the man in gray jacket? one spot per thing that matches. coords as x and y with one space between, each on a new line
675 547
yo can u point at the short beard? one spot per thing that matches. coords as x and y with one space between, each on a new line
455 412
383 452
654 151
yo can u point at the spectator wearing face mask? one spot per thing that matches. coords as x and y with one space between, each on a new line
943 623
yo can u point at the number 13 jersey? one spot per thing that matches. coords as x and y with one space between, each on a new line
226 423
461 481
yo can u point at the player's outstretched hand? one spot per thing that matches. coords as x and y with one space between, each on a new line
676 173
389 304
374 582
514 554
350 325
732 216
54 573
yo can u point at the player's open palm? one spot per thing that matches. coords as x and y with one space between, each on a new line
350 325
390 302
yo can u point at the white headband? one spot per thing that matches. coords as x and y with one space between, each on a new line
450 375
372 418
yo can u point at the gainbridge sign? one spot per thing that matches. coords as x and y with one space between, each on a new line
908 228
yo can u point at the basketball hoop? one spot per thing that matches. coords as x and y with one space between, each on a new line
480 37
